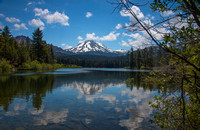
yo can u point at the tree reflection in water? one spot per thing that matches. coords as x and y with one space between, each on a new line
29 86
119 98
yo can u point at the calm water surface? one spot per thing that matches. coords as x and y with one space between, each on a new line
76 99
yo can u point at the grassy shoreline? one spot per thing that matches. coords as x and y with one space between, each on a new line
7 67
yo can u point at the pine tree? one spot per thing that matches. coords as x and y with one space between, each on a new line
1 44
138 59
52 54
37 45
150 57
131 62
6 32
23 53
5 44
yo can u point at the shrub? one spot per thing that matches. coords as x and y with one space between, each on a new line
25 66
57 66
5 66
35 65
46 66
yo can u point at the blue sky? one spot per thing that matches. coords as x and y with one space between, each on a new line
66 22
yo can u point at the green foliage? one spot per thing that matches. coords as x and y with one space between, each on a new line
57 66
35 65
5 66
36 56
97 61
72 66
130 81
147 58
37 45
25 66
32 87
178 108
131 58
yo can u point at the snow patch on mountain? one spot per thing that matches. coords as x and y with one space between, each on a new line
121 51
89 46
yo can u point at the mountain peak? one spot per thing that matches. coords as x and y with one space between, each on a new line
121 51
89 46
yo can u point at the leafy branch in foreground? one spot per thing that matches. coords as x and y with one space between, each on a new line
178 109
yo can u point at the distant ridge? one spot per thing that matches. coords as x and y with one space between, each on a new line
88 47
94 48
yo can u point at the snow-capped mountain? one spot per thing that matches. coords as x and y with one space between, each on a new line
89 46
121 51
95 48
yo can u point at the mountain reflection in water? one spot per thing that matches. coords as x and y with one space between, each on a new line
76 99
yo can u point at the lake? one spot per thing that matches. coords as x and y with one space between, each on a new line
79 98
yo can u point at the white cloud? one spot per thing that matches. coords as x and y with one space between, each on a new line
124 43
139 38
12 19
91 36
88 121
118 26
42 28
2 15
38 2
25 9
88 15
35 111
110 98
52 18
11 113
20 26
58 18
62 44
36 23
19 107
66 46
138 41
136 10
40 12
30 3
178 22
117 109
110 37
167 13
52 117
141 111
79 38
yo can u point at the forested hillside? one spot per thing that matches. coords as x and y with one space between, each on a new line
35 54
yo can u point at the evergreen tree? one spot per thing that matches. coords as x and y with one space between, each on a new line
131 62
28 43
150 56
23 54
37 45
52 61
5 45
13 51
138 59
1 44
144 57
6 32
